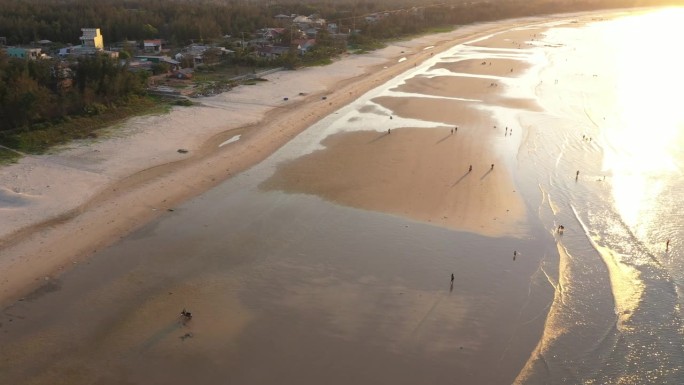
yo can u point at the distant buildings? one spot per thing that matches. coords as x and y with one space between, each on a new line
25 53
91 38
203 54
92 42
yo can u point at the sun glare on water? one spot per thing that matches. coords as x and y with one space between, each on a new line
648 129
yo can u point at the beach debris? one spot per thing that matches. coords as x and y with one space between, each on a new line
286 98
324 98
182 151
169 209
186 315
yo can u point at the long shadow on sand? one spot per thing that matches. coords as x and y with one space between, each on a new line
461 178
378 138
444 138
487 173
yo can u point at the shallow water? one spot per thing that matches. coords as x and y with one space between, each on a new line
612 114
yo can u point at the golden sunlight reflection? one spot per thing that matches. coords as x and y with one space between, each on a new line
646 132
625 284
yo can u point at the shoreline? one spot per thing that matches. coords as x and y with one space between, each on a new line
133 196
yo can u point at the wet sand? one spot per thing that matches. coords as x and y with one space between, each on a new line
417 173
335 270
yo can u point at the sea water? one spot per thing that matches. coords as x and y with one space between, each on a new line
605 160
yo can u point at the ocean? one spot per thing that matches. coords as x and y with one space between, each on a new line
605 160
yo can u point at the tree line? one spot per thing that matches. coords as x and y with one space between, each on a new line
37 91
179 22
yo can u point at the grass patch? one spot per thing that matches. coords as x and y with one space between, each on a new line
324 61
8 156
183 103
442 29
41 138
366 47
219 73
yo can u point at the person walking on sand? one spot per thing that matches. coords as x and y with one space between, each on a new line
470 168
389 131
577 175
452 278
515 254
667 245
492 166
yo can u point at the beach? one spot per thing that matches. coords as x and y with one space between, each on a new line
62 207
395 219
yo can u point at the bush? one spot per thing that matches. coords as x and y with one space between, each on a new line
95 109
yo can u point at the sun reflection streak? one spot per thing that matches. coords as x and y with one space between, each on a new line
646 131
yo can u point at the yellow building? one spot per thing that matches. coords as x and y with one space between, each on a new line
92 38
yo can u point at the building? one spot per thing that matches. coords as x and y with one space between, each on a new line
24 53
203 54
272 52
304 45
91 38
174 64
152 46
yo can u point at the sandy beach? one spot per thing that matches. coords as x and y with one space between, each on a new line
334 252
59 208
